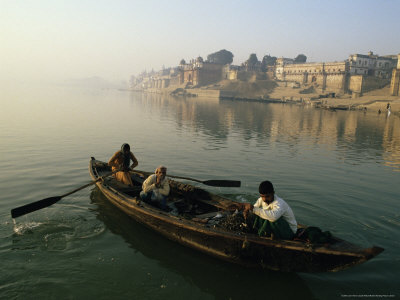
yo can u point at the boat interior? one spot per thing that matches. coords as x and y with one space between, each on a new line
184 200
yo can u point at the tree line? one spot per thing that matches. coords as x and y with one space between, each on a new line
224 57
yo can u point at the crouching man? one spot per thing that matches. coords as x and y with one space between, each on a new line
156 187
273 216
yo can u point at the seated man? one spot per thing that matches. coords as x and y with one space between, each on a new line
156 187
120 161
273 216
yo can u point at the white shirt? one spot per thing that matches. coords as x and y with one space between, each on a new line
150 185
273 211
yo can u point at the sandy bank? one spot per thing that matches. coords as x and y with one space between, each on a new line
269 90
371 101
374 101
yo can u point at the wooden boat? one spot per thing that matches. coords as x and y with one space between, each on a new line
194 222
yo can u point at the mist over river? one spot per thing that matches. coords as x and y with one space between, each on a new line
338 170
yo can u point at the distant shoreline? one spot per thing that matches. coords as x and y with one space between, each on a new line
373 101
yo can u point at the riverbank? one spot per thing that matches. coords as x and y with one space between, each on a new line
374 101
271 91
376 104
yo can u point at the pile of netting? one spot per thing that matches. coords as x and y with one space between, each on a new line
236 222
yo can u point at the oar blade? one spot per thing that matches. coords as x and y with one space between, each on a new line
31 207
222 183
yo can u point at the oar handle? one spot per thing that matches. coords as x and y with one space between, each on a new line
172 176
187 178
86 185
31 207
218 183
90 183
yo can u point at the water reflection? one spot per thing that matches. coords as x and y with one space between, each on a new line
222 280
355 135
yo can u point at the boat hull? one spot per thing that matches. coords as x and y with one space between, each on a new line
237 247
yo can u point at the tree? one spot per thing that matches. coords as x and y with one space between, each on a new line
301 58
222 57
253 60
267 60
182 62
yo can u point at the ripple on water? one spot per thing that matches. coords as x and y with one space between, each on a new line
57 233
21 229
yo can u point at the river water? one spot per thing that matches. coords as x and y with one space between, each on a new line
339 170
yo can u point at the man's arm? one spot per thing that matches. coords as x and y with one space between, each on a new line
248 207
149 184
111 162
164 189
134 160
272 214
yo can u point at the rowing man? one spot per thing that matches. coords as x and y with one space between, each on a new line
121 161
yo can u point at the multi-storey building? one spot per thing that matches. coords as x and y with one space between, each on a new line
371 64
198 72
330 76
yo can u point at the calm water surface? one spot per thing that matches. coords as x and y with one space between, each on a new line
338 170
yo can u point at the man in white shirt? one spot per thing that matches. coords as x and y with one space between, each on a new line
156 187
273 216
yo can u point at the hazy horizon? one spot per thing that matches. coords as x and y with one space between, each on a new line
48 41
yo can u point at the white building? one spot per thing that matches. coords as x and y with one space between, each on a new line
371 64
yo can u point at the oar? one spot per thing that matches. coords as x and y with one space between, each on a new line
31 207
220 183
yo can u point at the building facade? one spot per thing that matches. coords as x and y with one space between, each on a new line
395 82
199 73
230 72
371 64
332 76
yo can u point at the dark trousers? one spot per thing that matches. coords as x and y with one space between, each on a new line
146 197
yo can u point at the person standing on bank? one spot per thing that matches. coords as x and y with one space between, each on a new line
273 216
121 161
156 187
388 108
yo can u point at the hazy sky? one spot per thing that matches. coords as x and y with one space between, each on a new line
56 40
